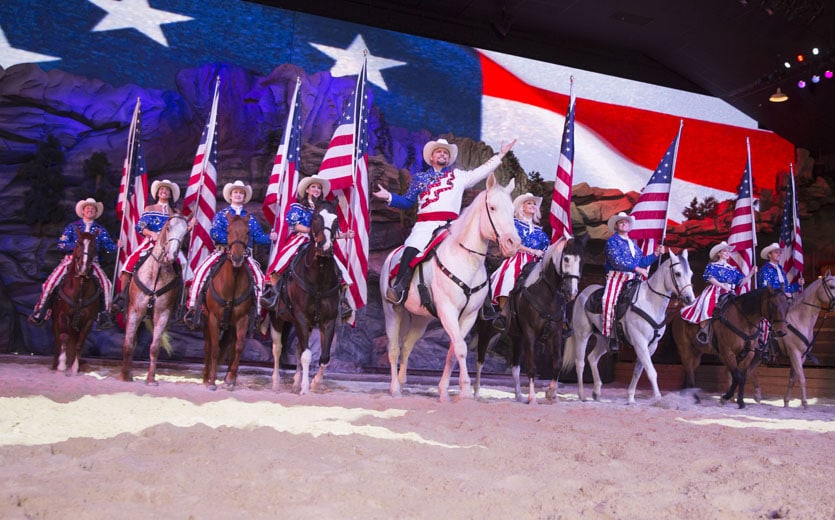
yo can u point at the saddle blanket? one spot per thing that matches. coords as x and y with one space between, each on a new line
420 257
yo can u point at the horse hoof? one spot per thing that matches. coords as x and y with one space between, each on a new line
212 387
230 387
595 396
151 382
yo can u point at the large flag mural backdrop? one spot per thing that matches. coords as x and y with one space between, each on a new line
474 93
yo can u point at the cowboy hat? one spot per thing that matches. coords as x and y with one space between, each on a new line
718 248
175 190
430 147
768 249
237 185
614 219
314 179
519 201
81 204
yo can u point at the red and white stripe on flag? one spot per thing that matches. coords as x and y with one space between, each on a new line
284 179
201 194
133 190
560 215
345 165
650 212
743 235
790 240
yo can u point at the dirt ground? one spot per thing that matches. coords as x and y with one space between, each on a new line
91 446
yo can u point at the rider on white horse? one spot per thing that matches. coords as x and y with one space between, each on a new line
624 259
438 193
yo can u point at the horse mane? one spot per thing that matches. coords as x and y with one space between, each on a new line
459 225
749 303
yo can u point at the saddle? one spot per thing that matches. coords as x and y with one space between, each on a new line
628 294
439 235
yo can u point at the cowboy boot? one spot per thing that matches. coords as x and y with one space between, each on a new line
500 323
103 319
703 336
119 303
345 310
397 293
38 316
269 299
613 344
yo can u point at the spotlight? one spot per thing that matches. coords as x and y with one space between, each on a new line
801 84
827 74
778 97
815 51
816 79
787 64
801 58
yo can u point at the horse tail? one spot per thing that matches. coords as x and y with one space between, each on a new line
568 355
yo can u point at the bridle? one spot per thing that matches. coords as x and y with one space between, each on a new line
492 225
677 290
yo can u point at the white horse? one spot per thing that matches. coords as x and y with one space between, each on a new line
154 293
800 322
457 281
643 325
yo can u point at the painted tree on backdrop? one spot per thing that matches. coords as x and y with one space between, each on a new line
43 201
98 184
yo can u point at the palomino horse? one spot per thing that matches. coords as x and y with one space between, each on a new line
76 307
737 328
308 296
457 281
643 325
537 313
154 292
229 302
800 324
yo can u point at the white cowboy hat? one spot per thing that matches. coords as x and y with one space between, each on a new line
227 191
430 147
718 248
768 249
81 204
614 219
175 190
522 199
314 179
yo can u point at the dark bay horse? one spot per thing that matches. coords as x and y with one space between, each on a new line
229 305
537 313
76 307
308 297
153 293
736 329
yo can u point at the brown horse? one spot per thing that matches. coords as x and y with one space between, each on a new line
153 293
736 329
229 305
537 313
76 307
308 296
800 322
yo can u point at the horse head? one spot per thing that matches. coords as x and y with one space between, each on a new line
499 225
775 305
237 234
827 286
566 257
171 238
323 228
677 276
83 254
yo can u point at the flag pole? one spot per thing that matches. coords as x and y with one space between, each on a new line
753 216
672 176
126 180
210 142
285 143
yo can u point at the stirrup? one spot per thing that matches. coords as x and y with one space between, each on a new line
192 318
38 319
489 312
702 336
118 304
500 323
103 320
394 297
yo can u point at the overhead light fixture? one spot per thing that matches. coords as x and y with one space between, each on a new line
787 64
801 84
816 78
778 97
815 51
828 74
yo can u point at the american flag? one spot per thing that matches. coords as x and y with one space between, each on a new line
346 166
201 194
743 237
650 211
560 216
284 178
132 190
790 234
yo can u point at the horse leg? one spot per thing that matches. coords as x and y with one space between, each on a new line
128 347
394 321
644 364
304 356
211 349
556 343
59 362
530 343
326 332
241 327
275 334
484 337
458 349
796 373
600 349
161 317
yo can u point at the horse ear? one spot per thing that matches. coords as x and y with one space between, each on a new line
491 180
684 254
510 185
